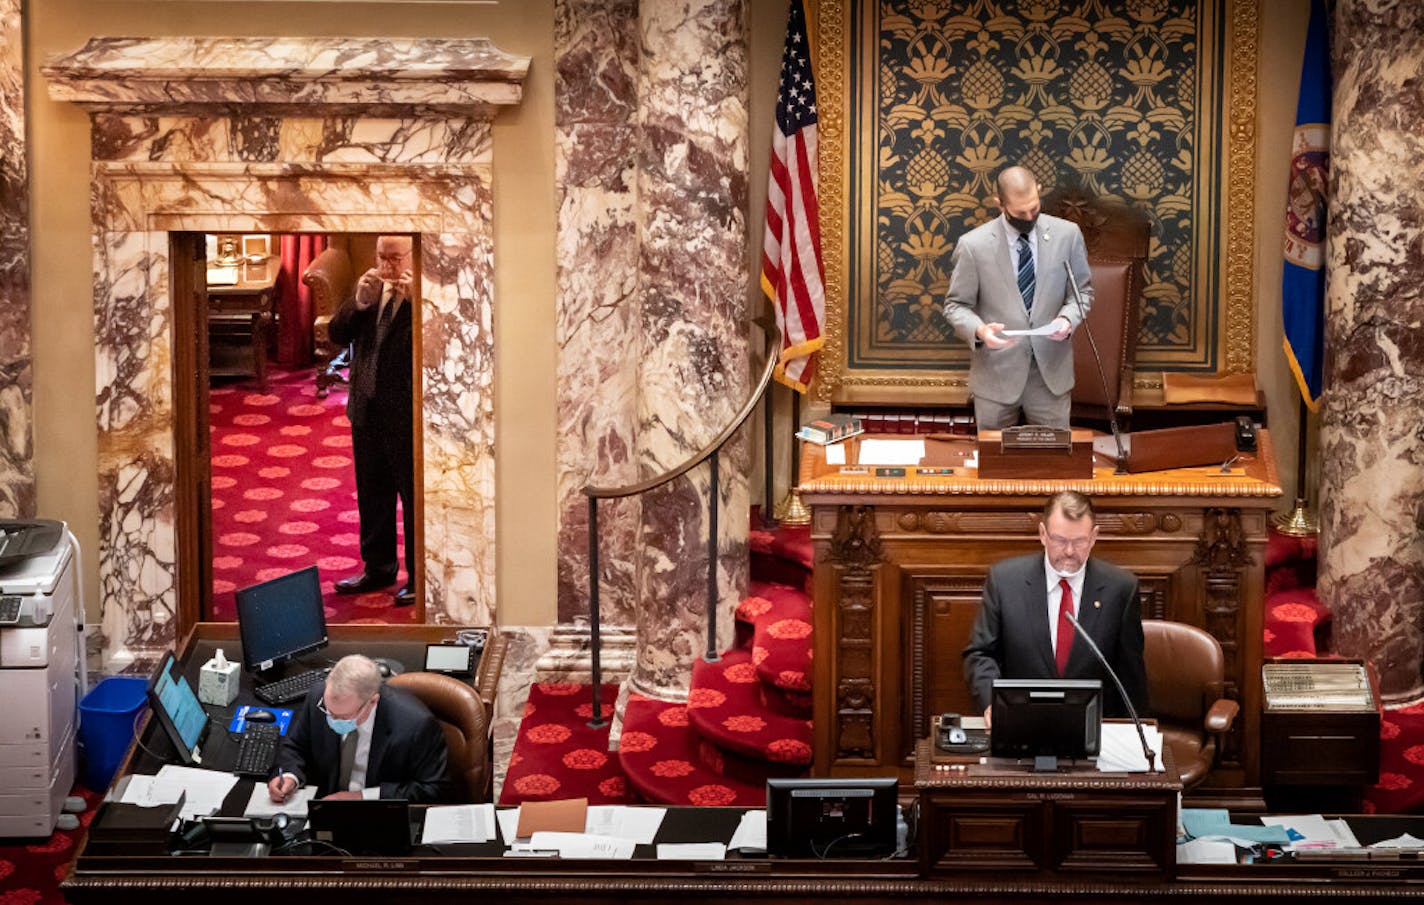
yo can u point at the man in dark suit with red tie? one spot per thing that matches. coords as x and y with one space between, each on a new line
377 321
1021 632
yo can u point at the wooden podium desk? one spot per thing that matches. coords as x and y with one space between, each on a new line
998 818
899 572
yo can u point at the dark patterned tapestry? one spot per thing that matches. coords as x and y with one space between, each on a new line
1118 98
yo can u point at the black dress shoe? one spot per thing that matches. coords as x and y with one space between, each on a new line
360 584
405 596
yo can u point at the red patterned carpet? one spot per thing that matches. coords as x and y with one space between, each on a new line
284 494
30 873
747 716
1297 625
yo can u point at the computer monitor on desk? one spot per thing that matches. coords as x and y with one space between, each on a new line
1046 719
281 619
826 818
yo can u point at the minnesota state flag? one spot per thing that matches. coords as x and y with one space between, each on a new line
1303 283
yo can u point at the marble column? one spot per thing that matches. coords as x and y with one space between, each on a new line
17 475
1372 474
692 186
595 102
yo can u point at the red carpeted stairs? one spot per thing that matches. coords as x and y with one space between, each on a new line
748 715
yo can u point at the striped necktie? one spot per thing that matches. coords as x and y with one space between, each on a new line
1026 280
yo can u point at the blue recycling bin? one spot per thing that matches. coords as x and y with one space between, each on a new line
107 715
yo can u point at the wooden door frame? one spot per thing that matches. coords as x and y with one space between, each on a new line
192 433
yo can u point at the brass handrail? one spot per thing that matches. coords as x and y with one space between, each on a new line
703 454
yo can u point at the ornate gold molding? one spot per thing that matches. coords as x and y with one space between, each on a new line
1235 211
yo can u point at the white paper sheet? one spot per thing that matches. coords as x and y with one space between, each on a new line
508 824
639 824
1315 831
583 845
1405 841
891 452
262 805
458 823
1047 329
836 454
1121 749
692 851
751 832
1206 851
205 789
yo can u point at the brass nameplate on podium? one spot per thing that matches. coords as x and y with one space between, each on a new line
1036 452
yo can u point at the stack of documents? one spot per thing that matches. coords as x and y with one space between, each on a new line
204 789
1121 749
458 823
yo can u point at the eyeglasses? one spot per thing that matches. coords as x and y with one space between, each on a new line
1066 543
321 705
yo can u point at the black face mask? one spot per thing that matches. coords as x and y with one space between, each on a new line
1023 226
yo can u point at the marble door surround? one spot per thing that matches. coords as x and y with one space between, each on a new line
216 134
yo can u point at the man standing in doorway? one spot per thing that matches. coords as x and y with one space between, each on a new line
377 320
1008 274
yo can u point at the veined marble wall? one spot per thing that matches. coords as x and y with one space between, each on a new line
651 101
1372 474
258 135
17 474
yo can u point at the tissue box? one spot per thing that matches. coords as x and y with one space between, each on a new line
217 684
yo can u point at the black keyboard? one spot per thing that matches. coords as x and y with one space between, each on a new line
258 750
292 688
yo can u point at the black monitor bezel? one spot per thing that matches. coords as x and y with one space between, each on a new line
1014 734
253 665
169 664
785 838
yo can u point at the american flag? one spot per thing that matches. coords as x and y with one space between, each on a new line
791 272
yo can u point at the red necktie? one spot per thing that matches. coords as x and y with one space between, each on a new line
1065 628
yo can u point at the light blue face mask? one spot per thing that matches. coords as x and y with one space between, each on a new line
342 728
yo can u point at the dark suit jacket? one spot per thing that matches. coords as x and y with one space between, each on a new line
380 393
1011 639
407 759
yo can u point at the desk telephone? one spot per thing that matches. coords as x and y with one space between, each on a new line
952 738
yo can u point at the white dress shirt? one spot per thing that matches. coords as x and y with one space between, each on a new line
1055 594
1012 235
362 760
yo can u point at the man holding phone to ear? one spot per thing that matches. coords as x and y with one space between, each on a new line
377 320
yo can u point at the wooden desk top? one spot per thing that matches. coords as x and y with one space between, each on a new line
998 774
1255 478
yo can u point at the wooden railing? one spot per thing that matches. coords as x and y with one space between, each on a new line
710 454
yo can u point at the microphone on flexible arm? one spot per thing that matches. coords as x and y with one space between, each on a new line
1112 673
1098 359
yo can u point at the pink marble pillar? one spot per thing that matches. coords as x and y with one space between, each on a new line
17 475
692 186
595 102
1372 474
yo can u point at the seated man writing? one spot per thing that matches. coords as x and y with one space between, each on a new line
356 738
1021 632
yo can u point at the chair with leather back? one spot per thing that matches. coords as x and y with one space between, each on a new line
1118 239
329 277
463 719
1185 689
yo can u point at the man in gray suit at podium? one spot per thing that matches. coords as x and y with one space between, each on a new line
1008 275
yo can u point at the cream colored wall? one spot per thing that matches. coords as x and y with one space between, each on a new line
524 266
524 242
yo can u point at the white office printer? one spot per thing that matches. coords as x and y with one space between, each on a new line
41 673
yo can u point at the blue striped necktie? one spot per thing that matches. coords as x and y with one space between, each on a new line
1026 281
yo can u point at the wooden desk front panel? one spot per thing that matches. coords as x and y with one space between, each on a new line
898 583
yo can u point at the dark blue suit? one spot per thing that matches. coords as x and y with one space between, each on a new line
407 758
1011 638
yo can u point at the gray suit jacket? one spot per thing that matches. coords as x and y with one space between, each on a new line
983 289
1011 639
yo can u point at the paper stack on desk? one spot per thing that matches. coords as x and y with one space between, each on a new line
205 789
458 823
260 804
1121 749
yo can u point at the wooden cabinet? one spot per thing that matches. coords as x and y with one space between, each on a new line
900 566
241 318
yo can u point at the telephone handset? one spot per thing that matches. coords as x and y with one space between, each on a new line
949 732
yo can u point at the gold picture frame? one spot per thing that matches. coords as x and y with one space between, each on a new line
844 55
